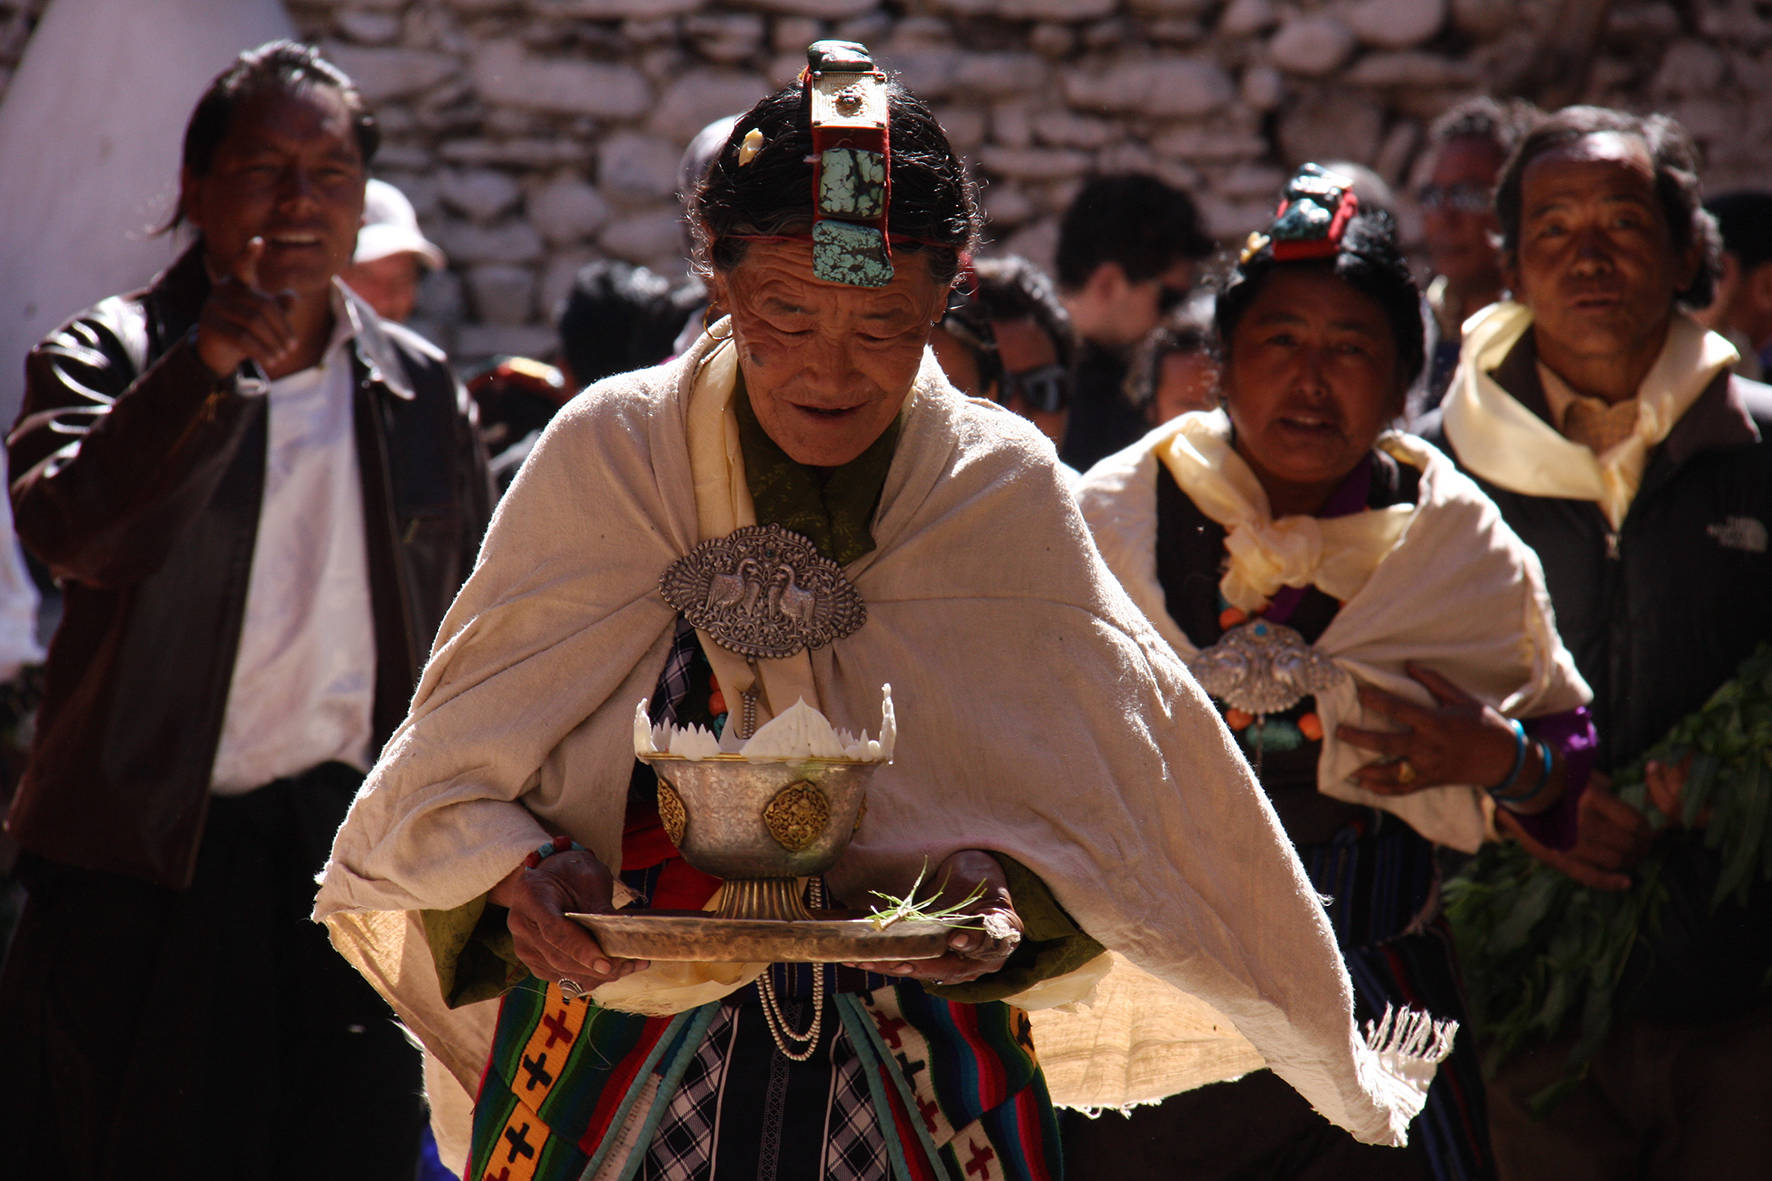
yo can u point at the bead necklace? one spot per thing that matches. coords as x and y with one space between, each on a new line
776 1021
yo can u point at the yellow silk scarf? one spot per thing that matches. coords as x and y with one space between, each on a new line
722 504
1503 442
1336 554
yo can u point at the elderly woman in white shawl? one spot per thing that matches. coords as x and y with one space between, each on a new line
1050 747
1342 593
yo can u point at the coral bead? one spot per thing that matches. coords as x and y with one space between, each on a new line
1237 719
1311 726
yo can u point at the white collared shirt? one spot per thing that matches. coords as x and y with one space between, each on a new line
303 687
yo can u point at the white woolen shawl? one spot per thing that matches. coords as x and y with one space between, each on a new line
1039 715
1459 592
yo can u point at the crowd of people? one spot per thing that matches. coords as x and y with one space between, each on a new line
1232 600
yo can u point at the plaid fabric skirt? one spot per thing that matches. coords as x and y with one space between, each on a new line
901 1086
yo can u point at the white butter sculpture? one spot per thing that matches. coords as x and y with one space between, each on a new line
799 733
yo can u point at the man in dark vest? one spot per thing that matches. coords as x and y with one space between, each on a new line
1608 427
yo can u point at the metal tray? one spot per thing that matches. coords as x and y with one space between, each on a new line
828 937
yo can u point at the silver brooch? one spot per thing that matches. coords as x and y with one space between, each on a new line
1263 668
763 591
850 101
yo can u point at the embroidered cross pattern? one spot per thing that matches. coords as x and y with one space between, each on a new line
558 1030
928 1109
889 1027
537 1069
1024 1032
561 1023
520 1146
980 1161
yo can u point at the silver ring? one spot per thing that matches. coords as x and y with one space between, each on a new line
572 988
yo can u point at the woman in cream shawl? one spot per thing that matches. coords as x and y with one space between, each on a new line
1341 593
1050 747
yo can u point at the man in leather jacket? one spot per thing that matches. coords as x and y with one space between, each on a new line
1609 430
258 499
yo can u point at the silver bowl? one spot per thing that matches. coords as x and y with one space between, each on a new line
760 825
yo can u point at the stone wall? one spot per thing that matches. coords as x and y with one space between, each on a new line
534 135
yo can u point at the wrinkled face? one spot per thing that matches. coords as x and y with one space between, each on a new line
1457 223
288 171
388 284
827 365
1596 260
1311 381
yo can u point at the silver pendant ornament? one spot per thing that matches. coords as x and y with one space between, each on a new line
1263 668
763 591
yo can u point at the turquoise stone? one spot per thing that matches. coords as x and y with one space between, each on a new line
1303 221
1275 734
852 183
852 254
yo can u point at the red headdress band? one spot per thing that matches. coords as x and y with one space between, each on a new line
851 164
1313 215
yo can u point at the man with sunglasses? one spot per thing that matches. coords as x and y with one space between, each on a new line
1467 144
1009 339
1128 246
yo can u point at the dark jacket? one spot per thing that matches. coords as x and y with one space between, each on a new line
136 479
1101 419
1660 613
1657 615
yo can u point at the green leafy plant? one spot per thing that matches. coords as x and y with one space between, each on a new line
910 909
1543 955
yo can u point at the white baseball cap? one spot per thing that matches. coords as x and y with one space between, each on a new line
391 227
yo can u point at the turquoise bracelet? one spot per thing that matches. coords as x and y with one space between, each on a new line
1515 803
1519 759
